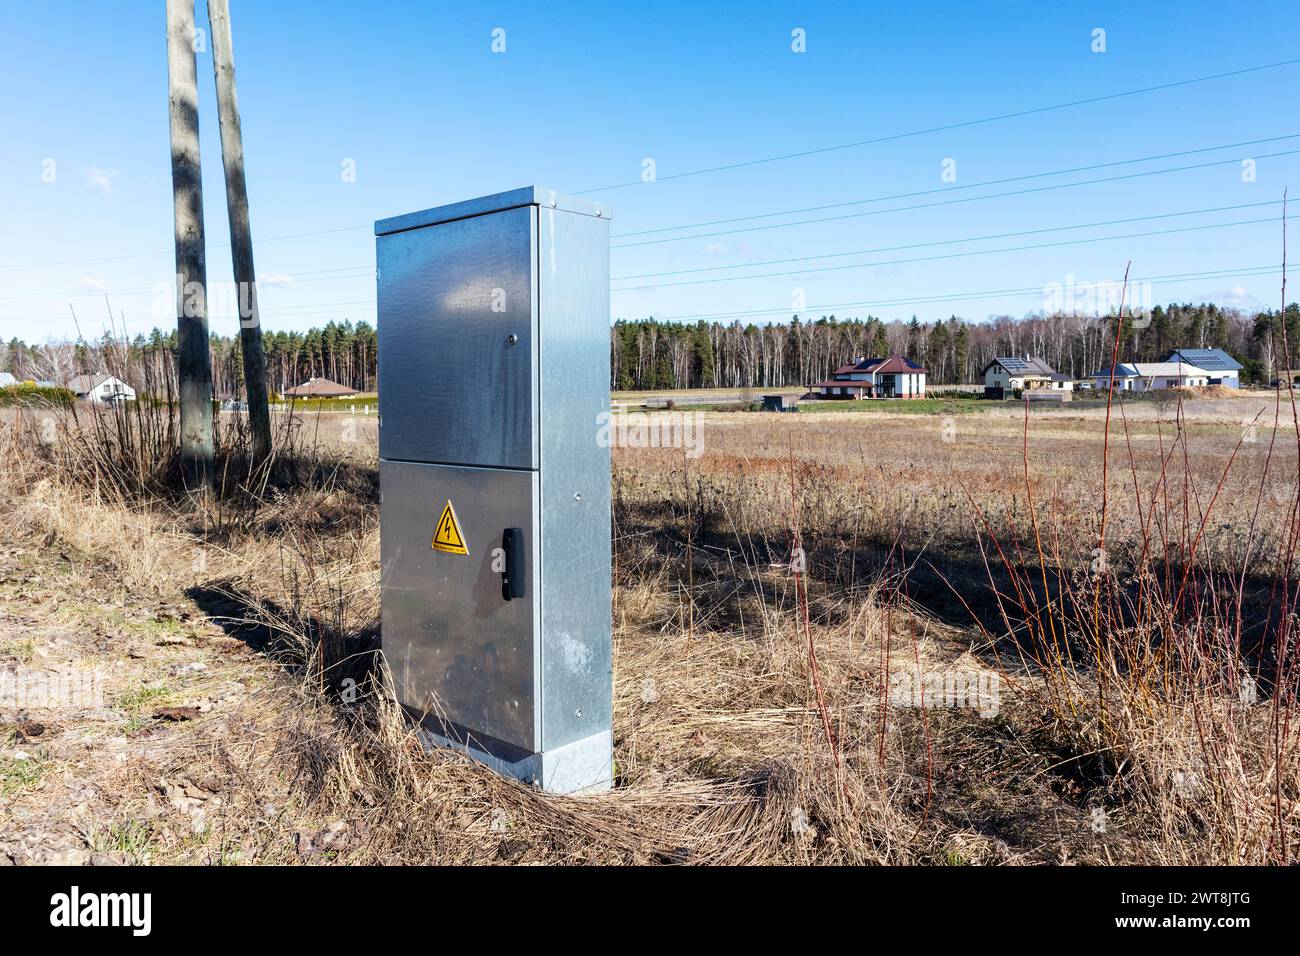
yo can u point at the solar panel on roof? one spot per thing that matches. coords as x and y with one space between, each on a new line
1014 364
1208 359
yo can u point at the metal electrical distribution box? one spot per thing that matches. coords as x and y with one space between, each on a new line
495 520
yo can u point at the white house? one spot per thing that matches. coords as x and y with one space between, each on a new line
1009 372
1223 368
1149 376
101 388
893 377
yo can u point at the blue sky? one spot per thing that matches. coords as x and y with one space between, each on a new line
413 94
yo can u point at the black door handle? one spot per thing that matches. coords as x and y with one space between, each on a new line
512 578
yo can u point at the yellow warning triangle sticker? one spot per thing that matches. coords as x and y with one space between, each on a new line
448 537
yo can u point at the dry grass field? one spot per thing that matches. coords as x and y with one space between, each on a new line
848 637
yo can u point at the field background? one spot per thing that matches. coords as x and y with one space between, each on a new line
244 718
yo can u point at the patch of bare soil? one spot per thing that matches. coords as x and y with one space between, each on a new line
115 717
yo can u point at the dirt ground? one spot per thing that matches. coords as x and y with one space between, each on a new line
154 683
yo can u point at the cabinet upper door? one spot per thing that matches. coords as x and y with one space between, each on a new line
457 332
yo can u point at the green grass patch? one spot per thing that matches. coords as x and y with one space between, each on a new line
708 407
357 404
16 775
21 650
131 838
156 629
28 394
904 406
230 853
134 701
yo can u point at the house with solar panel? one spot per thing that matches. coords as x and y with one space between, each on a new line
893 377
1152 376
1011 373
1223 369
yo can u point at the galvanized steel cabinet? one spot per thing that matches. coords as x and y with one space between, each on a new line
493 380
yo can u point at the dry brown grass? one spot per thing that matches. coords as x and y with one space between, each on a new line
720 744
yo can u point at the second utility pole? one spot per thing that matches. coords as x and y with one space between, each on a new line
193 359
241 235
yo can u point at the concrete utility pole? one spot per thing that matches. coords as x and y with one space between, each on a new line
241 234
192 357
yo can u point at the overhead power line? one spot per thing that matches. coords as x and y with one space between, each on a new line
291 310
945 242
768 215
960 296
961 255
168 252
265 285
954 188
956 255
946 127
321 306
952 202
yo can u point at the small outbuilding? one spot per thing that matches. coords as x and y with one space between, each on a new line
320 388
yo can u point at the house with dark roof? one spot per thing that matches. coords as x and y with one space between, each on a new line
1221 367
893 377
1013 373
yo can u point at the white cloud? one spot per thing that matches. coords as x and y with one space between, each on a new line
1236 297
90 284
101 179
276 278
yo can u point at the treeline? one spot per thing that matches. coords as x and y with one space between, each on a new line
647 354
340 351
